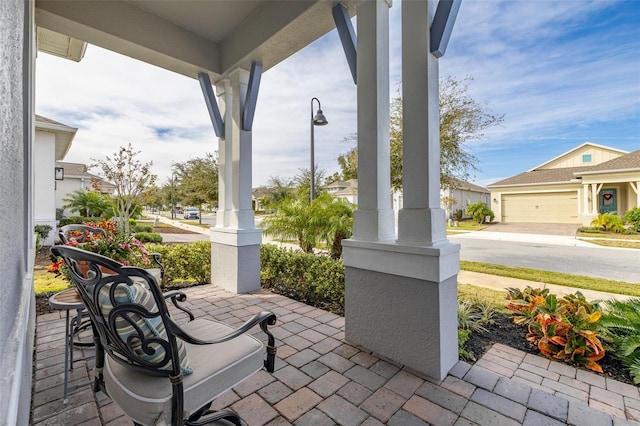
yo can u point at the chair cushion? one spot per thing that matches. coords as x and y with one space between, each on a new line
150 327
218 367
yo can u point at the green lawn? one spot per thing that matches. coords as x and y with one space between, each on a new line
568 280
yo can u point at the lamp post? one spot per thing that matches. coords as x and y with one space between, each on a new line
173 207
317 120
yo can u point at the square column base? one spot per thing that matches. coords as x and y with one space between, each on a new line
410 318
235 259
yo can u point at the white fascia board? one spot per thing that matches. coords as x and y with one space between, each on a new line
535 184
606 172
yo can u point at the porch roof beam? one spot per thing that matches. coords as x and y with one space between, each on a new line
347 37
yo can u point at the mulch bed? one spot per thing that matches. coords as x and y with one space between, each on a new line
505 331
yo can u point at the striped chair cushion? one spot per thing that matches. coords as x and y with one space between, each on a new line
151 327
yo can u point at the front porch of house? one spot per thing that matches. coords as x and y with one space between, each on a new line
323 379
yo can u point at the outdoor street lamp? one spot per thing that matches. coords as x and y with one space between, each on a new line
317 120
173 207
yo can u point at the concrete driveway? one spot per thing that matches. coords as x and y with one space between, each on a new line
566 229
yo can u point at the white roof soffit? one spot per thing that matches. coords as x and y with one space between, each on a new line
63 135
191 36
60 45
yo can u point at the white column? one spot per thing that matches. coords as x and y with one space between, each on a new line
400 295
594 198
421 221
235 241
374 219
585 199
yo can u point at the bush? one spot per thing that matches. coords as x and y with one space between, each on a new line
43 231
621 329
608 222
317 280
184 262
148 237
633 217
562 329
142 228
77 220
479 211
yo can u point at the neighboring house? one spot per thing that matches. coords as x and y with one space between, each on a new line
258 195
571 188
347 190
77 177
52 142
464 193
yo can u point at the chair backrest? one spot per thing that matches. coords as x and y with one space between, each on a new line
128 312
79 233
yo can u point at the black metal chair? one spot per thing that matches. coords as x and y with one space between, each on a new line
80 233
156 371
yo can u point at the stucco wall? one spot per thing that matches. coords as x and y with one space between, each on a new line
17 320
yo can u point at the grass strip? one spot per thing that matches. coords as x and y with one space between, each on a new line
547 277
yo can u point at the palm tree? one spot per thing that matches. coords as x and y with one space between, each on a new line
326 219
88 203
336 221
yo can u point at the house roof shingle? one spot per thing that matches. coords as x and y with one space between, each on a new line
627 161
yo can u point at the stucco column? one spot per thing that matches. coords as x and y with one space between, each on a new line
235 241
594 198
400 295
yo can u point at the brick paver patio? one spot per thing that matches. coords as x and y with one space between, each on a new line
321 379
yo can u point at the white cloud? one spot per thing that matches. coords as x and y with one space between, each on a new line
557 70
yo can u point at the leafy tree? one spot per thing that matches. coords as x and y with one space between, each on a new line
130 178
88 203
198 181
278 189
348 162
302 181
479 211
461 119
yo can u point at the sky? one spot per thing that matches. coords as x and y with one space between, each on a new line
562 73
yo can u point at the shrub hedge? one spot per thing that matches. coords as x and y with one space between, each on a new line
317 279
184 262
148 237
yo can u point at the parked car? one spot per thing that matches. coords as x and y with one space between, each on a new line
191 213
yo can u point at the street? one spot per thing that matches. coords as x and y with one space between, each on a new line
585 259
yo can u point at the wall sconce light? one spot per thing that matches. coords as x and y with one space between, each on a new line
59 175
495 200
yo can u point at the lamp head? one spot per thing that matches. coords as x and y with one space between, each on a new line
319 119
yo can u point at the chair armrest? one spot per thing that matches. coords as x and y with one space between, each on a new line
264 319
178 296
156 257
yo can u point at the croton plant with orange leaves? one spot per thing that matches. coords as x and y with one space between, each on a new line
564 329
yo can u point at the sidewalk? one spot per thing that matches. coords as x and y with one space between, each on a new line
495 282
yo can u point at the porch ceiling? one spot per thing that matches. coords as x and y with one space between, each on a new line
190 36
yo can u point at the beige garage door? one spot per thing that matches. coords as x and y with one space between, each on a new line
554 207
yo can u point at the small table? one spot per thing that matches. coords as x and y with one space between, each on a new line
69 300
